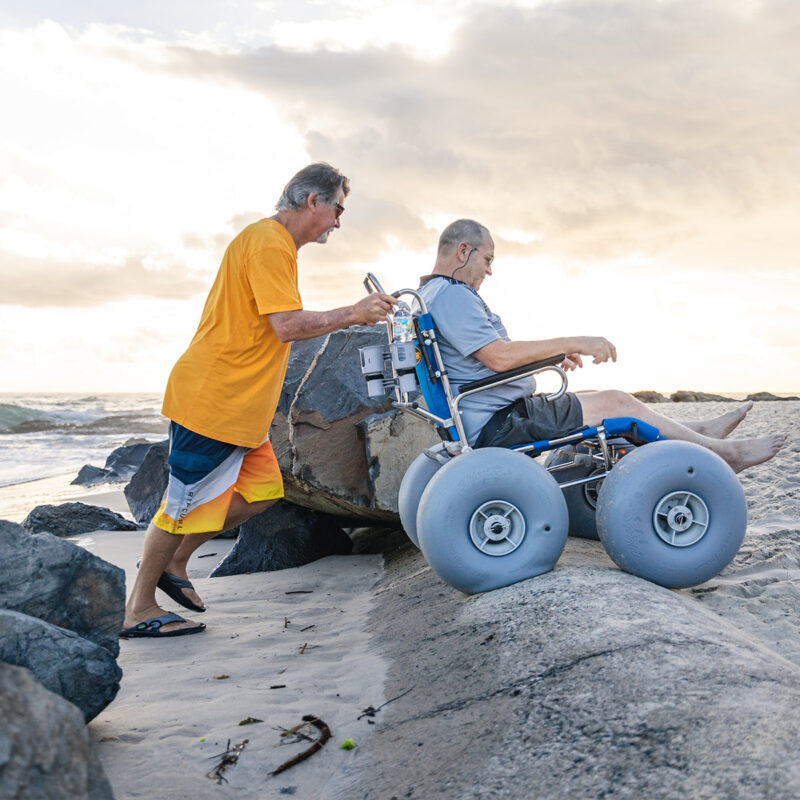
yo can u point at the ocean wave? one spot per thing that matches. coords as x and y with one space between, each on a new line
12 415
120 423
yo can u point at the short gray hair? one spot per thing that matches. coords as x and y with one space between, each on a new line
463 230
319 178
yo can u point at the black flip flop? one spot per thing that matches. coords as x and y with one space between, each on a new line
171 585
151 628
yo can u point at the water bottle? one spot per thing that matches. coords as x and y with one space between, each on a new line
402 324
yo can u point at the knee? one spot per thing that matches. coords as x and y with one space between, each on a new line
619 402
242 511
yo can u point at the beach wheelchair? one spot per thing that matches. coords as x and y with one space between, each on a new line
670 512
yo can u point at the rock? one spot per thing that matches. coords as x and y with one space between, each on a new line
650 397
330 455
46 752
72 519
67 664
584 682
282 537
698 397
90 476
121 464
148 484
61 583
760 396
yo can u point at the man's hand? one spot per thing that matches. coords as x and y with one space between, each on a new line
599 348
572 361
373 308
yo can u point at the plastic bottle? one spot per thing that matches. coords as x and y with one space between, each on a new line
402 324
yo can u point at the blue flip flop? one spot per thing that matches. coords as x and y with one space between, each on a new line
151 628
171 585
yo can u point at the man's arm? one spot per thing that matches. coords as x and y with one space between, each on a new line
501 355
294 326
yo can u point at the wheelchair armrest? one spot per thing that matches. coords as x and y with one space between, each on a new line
511 373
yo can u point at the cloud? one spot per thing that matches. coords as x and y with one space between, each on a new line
38 282
604 127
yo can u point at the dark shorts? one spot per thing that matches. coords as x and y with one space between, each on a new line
532 419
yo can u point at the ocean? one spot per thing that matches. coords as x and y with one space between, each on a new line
46 438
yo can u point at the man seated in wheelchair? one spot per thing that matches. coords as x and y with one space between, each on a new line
474 344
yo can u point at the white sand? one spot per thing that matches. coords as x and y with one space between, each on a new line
150 736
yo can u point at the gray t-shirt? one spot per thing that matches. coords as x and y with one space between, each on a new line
464 324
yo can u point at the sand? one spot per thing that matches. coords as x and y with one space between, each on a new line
176 711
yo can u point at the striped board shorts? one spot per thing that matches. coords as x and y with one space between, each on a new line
203 475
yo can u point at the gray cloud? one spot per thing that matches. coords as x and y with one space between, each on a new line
49 282
605 127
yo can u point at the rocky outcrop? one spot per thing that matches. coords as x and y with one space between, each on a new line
281 537
148 484
647 396
120 465
45 749
61 583
698 397
761 396
73 519
67 664
340 451
584 682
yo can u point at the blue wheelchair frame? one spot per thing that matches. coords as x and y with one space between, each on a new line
442 412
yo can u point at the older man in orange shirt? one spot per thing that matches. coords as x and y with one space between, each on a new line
223 392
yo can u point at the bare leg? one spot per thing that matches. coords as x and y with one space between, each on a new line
160 551
739 453
720 427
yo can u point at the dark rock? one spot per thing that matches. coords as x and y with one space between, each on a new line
321 438
146 488
90 476
72 519
67 664
698 397
61 583
648 396
282 537
46 752
760 396
121 464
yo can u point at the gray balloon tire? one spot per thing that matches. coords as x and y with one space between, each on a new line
582 522
417 477
460 488
631 494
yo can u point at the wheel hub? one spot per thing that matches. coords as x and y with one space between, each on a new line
681 518
497 528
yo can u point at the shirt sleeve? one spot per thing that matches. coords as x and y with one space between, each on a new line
460 317
272 275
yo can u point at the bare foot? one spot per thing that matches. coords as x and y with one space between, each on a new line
744 453
721 426
135 616
180 572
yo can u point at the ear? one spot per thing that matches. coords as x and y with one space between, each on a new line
312 200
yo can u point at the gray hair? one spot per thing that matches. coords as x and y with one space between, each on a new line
463 230
319 178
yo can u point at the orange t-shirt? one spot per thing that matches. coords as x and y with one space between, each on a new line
227 384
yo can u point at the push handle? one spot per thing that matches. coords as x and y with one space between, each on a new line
371 284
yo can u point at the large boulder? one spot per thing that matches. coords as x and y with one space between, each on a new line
46 752
61 583
682 396
585 682
340 451
148 484
67 664
761 396
73 519
281 537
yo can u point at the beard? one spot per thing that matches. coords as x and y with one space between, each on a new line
324 237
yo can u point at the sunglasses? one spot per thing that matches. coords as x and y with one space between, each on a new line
339 209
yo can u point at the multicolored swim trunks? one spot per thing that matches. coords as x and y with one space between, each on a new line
203 475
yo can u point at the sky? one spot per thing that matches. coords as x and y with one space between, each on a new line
637 162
